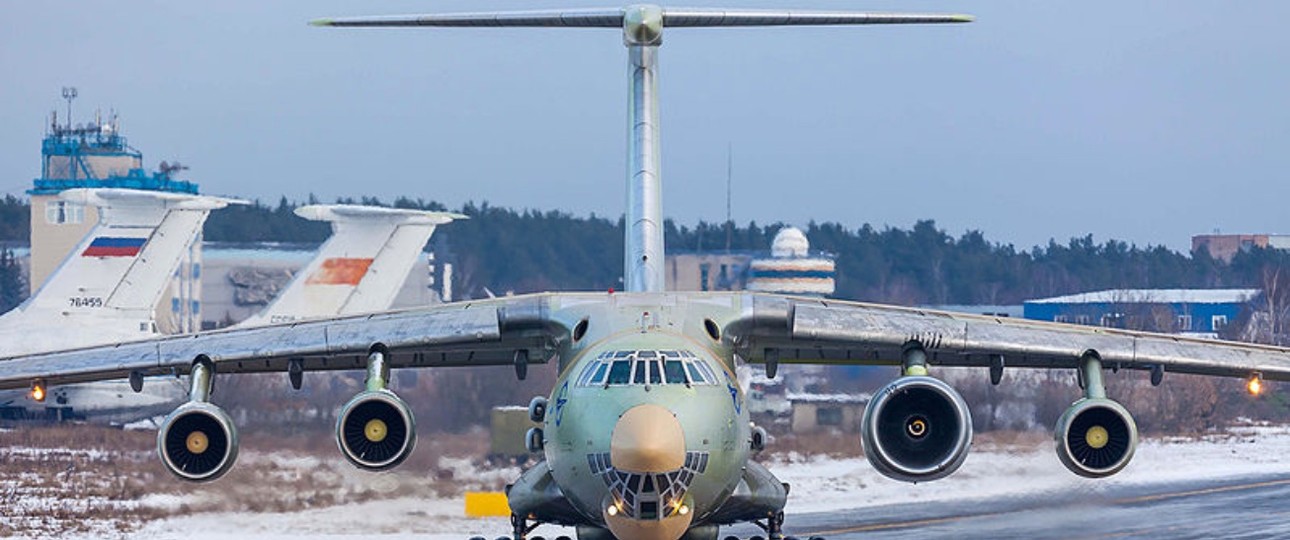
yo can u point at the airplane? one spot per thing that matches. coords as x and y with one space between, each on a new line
645 434
107 288
360 268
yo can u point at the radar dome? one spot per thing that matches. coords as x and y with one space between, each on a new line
789 242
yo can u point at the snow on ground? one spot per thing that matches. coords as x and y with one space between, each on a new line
823 484
818 484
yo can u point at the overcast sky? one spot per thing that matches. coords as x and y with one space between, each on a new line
1145 121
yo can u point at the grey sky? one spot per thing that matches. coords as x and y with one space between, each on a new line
1142 121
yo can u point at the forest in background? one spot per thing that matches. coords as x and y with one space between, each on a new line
506 250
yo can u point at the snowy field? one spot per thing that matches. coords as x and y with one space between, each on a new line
391 506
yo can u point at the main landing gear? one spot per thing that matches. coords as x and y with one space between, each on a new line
774 527
521 529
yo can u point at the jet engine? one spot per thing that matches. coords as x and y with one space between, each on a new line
197 442
916 429
375 430
1096 437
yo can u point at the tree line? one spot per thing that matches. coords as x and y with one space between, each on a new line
502 250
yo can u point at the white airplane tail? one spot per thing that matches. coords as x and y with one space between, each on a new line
108 286
360 268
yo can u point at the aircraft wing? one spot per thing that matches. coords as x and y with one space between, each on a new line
819 331
490 332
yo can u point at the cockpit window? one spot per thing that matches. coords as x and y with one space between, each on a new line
599 377
640 373
646 367
675 372
621 372
696 375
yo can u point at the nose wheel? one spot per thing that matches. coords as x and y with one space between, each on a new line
521 528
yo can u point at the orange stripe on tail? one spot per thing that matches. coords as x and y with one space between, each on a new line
340 271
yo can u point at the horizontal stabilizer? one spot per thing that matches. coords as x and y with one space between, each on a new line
672 17
116 197
343 212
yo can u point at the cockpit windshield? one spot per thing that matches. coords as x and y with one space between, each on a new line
646 367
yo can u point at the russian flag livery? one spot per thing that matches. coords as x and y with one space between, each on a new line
109 246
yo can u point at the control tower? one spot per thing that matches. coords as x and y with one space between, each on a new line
96 155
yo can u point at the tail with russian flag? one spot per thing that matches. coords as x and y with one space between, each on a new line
360 268
108 286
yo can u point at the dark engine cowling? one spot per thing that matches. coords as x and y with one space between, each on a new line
197 442
1096 437
375 430
916 429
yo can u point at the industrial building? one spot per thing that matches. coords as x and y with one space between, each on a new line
1186 311
790 268
820 412
1225 246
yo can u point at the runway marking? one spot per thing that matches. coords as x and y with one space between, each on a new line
1125 501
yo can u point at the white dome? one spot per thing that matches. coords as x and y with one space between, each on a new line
789 242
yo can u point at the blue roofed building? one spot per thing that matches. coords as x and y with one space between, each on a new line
1204 312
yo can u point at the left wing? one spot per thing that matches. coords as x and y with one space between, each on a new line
784 329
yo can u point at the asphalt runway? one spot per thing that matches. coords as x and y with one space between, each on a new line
1238 508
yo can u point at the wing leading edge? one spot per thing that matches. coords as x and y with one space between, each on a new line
799 330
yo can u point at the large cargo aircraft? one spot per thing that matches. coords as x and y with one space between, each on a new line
645 434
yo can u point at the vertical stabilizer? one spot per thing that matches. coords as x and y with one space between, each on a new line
360 268
642 26
108 286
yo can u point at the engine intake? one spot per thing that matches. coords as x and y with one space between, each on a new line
1096 437
916 429
197 442
375 430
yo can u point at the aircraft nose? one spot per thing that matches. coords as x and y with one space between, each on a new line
647 439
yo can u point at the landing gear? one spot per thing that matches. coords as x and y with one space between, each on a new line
774 527
521 527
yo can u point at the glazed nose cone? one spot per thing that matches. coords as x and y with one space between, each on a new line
647 439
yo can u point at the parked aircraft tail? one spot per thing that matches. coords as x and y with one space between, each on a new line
109 285
360 268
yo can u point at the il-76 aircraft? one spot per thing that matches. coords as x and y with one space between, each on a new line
646 434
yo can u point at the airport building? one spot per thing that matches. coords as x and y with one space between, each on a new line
1186 311
790 268
96 155
1225 246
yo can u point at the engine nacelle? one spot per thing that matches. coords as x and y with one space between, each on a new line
375 430
197 442
916 429
1096 437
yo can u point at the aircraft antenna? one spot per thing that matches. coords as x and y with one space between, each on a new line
730 174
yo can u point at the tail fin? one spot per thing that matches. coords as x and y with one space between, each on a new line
360 268
109 285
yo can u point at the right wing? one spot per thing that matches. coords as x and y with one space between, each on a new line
493 332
